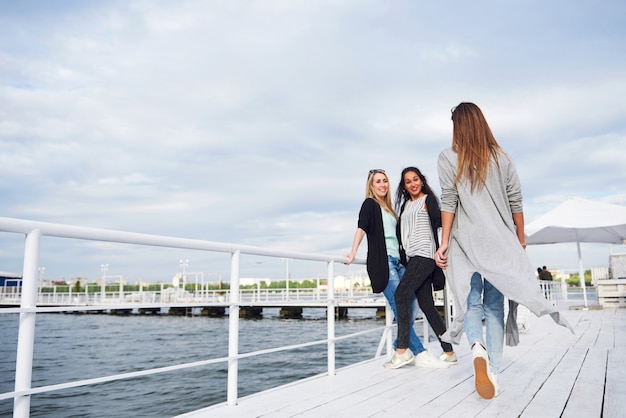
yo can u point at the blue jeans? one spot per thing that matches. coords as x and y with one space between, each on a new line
396 271
485 300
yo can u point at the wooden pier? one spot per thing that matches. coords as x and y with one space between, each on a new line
551 373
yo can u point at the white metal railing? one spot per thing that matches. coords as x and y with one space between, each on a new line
554 291
363 298
29 299
32 301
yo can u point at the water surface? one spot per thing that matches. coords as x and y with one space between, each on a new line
71 347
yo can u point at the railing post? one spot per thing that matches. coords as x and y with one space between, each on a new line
564 288
233 330
581 272
26 335
447 307
388 330
331 319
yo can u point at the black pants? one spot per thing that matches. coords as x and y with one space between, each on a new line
416 281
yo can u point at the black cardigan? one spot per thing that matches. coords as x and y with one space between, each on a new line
371 221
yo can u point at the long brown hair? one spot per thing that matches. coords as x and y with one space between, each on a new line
474 144
369 193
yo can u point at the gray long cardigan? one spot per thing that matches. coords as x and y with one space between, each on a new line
483 239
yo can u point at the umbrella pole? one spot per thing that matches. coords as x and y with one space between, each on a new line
581 272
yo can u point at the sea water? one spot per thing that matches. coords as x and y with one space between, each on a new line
71 347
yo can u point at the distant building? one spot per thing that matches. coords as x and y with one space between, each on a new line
10 279
59 283
348 283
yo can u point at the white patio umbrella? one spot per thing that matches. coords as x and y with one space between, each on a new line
579 220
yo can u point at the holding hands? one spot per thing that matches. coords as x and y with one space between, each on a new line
441 258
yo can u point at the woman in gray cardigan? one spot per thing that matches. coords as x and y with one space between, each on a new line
482 243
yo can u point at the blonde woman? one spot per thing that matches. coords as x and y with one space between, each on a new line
378 220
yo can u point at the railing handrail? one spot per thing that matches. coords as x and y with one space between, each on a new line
109 235
28 309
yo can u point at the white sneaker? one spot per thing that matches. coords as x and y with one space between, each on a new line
399 360
494 379
427 360
485 386
449 358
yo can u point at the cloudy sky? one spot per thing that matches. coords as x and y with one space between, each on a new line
255 122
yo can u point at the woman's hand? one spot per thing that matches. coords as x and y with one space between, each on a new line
358 237
441 258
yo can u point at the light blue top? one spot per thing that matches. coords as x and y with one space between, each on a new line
391 241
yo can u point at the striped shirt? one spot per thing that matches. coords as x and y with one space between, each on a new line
417 235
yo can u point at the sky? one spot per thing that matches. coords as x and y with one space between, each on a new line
256 122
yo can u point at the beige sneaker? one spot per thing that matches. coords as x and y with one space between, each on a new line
449 358
399 360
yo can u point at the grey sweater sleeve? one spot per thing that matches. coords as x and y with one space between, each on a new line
446 168
513 186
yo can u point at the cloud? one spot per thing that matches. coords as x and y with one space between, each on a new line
256 122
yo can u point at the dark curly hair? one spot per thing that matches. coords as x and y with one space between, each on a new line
402 195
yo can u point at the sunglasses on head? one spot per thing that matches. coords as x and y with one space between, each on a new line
377 170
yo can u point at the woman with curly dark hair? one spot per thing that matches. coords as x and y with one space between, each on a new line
418 223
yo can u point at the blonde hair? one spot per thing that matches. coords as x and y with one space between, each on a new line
386 205
474 144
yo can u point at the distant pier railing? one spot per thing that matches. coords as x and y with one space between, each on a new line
204 303
30 304
269 297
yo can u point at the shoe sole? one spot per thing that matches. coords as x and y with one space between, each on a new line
484 385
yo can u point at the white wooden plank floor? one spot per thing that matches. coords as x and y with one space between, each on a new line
551 373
